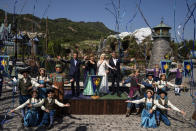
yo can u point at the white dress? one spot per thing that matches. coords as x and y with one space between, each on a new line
102 67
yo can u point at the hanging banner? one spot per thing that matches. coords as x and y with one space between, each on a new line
165 66
96 82
188 67
4 63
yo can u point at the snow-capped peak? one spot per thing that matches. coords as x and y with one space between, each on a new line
139 34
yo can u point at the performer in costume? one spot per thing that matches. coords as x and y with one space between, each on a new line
24 87
58 79
42 79
48 106
74 72
162 114
91 68
31 117
134 93
149 83
102 66
178 81
148 113
156 72
162 85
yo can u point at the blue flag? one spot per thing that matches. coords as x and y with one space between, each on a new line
96 82
165 66
4 63
188 67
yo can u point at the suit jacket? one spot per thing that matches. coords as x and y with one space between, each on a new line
74 70
117 66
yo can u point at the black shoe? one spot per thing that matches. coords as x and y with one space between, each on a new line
137 113
40 128
50 127
128 114
158 123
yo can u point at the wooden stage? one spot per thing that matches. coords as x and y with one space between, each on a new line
100 107
104 105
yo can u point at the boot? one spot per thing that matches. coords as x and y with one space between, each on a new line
128 112
137 111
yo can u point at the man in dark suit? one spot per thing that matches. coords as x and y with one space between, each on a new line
115 74
74 73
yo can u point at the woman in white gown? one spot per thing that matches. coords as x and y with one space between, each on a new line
102 66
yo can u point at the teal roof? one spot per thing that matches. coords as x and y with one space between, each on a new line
162 25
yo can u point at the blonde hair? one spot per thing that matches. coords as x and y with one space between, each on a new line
102 55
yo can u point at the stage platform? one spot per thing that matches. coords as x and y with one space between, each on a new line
108 104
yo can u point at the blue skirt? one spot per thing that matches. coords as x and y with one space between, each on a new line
31 118
42 92
148 120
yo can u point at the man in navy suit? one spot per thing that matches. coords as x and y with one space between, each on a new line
74 73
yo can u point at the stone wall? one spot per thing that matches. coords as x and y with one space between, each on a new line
160 48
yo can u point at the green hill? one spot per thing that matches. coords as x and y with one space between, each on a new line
61 29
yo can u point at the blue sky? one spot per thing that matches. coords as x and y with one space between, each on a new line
94 10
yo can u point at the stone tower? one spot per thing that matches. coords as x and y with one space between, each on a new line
161 44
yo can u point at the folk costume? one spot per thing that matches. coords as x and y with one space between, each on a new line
90 70
58 80
162 114
50 105
148 120
42 81
134 93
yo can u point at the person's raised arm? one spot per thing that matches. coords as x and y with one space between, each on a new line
21 106
108 65
63 60
128 80
173 107
137 101
170 84
61 104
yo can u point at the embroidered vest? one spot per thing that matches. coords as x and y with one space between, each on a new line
23 87
49 106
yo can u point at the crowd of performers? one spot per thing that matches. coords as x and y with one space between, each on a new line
153 95
38 100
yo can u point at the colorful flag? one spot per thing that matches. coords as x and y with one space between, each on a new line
165 66
4 63
96 82
188 67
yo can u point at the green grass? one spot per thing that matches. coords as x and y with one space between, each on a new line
112 97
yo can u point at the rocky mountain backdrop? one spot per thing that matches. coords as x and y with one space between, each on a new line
60 29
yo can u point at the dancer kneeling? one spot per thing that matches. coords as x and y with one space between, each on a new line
162 114
148 113
48 106
31 117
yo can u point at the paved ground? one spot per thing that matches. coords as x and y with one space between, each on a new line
106 122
